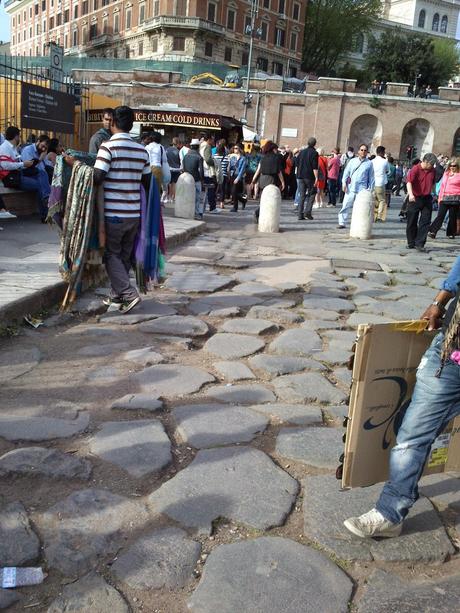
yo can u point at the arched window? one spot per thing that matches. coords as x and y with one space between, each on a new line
358 43
444 24
421 18
435 25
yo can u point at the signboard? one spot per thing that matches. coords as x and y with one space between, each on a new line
47 109
203 121
56 63
290 132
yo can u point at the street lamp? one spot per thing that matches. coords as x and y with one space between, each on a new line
251 30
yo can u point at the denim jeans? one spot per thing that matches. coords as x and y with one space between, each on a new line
434 403
332 189
347 207
39 184
199 202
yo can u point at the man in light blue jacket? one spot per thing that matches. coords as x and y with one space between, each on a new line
358 175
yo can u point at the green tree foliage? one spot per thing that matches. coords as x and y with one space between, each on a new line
399 56
330 26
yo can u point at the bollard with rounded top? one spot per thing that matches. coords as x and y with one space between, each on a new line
270 209
185 196
362 216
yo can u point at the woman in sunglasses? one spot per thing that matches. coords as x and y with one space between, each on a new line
449 200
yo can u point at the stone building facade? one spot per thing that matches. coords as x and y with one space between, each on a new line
179 30
331 109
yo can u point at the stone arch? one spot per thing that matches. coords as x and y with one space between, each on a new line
366 129
417 133
456 144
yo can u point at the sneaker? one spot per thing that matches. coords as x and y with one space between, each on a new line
7 215
309 216
340 227
431 234
422 249
301 217
410 246
129 304
109 301
372 524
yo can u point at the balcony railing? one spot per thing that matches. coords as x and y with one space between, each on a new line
185 23
100 41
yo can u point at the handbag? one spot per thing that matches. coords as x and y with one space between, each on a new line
451 199
12 179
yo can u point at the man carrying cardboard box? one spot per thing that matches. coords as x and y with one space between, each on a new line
435 401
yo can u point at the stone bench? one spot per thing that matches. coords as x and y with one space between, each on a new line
19 202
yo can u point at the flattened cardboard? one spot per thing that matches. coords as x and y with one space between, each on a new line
384 372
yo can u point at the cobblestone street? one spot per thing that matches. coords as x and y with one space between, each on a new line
182 457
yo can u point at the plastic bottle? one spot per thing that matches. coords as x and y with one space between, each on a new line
12 576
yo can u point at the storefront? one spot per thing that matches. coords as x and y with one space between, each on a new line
184 123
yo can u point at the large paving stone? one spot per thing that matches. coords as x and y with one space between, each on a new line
105 375
8 598
396 310
209 425
241 484
196 253
16 362
86 525
247 325
308 387
298 414
283 365
328 304
280 316
273 575
148 309
408 279
335 290
241 394
320 447
137 402
19 545
146 356
95 351
163 558
32 461
356 319
177 324
90 593
171 380
323 314
296 342
227 312
231 346
41 423
234 371
252 288
321 324
326 507
388 593
197 282
222 300
138 447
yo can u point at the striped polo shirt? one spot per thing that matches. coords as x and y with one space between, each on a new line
124 161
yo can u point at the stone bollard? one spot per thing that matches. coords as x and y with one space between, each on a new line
362 216
270 209
185 196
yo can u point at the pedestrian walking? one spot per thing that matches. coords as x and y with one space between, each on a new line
333 172
380 166
173 158
269 171
449 201
121 166
193 164
221 166
253 163
358 176
434 403
158 159
322 179
237 170
420 182
307 176
209 171
391 177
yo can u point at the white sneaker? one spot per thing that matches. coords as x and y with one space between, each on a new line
7 215
372 524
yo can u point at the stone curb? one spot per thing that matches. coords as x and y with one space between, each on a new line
52 294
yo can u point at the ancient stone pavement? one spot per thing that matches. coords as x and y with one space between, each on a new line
182 457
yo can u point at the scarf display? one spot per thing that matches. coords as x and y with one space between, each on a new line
451 341
80 257
150 245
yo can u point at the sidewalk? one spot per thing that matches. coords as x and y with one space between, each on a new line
29 253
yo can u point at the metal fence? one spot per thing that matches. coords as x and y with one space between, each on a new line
15 70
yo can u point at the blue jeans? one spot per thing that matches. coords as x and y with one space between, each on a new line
39 184
434 403
332 189
199 203
347 207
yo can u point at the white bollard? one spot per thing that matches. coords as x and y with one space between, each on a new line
270 209
185 196
362 216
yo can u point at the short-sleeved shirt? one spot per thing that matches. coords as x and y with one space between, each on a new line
124 161
381 167
421 180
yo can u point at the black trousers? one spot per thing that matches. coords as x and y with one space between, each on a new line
238 194
452 223
418 220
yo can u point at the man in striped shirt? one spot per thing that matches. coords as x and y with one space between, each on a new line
121 165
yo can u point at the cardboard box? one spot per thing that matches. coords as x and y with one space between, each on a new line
384 372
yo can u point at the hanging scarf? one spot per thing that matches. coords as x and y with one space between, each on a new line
149 249
451 343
